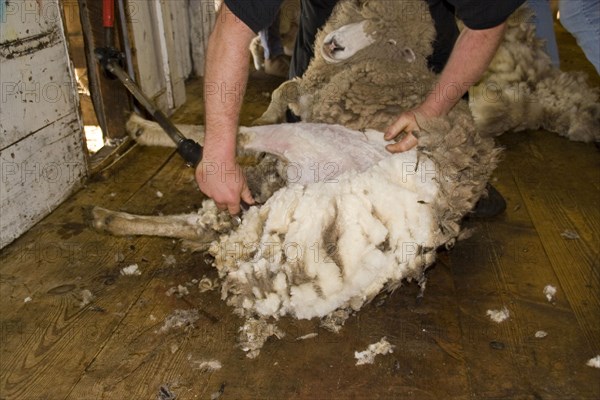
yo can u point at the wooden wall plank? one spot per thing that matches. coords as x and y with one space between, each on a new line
41 141
38 173
146 41
174 33
148 63
180 17
110 98
202 18
37 89
28 18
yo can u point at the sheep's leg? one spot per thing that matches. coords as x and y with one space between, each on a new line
258 54
288 92
184 226
149 133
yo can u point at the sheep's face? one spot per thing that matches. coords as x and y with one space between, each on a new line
345 42
399 30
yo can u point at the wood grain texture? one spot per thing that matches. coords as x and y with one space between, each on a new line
146 41
203 15
506 264
444 343
41 148
68 258
559 202
38 173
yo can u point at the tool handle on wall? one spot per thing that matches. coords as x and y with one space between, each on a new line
111 60
187 148
108 13
108 21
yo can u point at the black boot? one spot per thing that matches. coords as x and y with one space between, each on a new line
290 117
489 206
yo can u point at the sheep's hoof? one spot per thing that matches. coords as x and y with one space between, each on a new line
100 218
489 206
134 126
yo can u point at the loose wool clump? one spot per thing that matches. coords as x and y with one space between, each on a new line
523 90
499 315
206 365
594 362
132 270
550 292
368 356
179 319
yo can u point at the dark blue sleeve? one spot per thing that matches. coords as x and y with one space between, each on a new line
478 14
257 14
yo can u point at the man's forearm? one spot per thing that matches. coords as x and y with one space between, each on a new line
470 57
226 76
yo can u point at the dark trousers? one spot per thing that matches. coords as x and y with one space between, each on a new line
313 15
447 32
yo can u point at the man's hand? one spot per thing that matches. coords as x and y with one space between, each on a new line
225 183
226 72
470 57
406 123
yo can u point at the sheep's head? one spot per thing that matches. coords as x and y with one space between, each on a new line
400 31
345 42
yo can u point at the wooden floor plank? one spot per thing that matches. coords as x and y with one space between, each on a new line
61 247
52 264
138 360
135 346
559 201
505 264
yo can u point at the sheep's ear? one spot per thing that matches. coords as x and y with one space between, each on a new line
408 55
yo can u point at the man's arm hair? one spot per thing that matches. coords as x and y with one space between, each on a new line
226 75
218 175
471 56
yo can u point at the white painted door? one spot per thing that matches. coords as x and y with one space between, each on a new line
42 158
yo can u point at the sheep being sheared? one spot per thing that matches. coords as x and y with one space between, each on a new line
336 235
350 219
365 64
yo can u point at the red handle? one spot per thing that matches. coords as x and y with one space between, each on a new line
108 13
